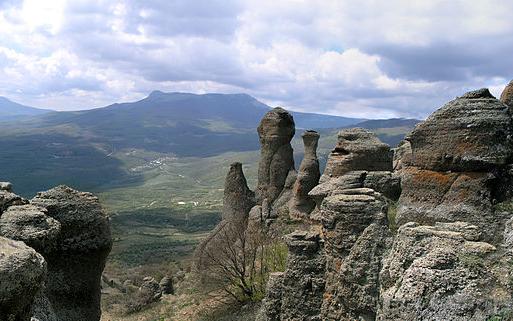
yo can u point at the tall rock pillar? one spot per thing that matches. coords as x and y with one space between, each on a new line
276 156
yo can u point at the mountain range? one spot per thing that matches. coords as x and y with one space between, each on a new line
95 149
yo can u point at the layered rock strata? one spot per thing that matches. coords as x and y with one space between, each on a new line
357 149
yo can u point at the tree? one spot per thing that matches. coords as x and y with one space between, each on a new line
238 258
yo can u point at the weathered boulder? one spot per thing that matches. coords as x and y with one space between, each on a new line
442 272
150 289
167 285
238 198
31 225
76 262
357 149
301 204
507 95
22 275
471 133
275 131
8 198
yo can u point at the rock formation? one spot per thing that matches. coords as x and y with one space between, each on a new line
507 95
238 198
297 293
22 275
166 285
300 205
73 285
457 157
470 133
276 156
71 235
357 149
430 241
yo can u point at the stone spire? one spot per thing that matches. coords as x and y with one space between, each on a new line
238 198
308 177
276 155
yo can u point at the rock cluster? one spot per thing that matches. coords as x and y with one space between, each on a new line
67 235
425 234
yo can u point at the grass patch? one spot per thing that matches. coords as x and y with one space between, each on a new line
391 216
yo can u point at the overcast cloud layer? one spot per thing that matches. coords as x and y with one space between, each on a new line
373 59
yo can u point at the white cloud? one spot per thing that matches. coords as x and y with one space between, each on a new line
361 58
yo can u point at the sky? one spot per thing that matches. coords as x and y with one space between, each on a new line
364 58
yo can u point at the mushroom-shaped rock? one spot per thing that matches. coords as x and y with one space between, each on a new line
31 225
357 149
76 263
470 133
22 274
276 156
308 176
238 198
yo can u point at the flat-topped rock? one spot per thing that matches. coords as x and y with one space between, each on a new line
357 149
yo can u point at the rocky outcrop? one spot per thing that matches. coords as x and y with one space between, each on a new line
32 225
442 272
276 156
507 95
470 133
22 275
301 204
297 293
8 198
355 231
167 285
238 198
77 258
431 240
357 149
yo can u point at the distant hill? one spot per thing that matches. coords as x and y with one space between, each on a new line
10 110
126 144
179 123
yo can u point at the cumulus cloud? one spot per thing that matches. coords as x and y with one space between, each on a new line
364 58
